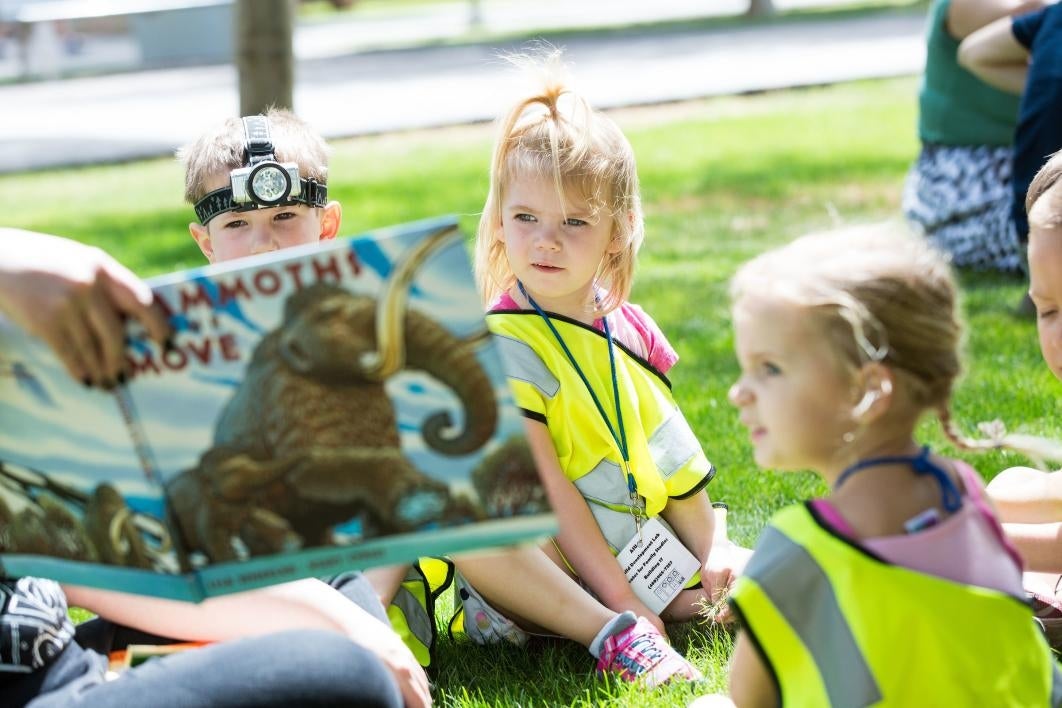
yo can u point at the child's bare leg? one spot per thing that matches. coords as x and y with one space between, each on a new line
386 580
536 594
1044 584
1026 496
689 604
533 591
1040 545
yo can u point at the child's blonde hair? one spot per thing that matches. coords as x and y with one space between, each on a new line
555 134
1049 213
220 149
881 294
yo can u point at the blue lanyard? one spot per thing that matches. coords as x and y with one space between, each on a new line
921 464
621 438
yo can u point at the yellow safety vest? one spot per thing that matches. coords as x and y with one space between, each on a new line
840 627
412 611
666 458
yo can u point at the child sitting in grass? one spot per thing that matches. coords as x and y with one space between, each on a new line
890 590
555 256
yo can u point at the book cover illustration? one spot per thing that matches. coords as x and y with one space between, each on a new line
324 408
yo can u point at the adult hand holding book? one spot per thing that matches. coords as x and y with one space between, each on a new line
76 299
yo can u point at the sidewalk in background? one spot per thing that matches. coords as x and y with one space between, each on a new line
345 93
375 27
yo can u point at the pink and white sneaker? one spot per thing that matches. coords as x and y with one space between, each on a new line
641 653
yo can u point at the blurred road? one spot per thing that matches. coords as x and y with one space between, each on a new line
343 88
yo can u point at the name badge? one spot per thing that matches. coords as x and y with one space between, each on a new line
657 565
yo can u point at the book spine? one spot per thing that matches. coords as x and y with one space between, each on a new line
226 578
131 580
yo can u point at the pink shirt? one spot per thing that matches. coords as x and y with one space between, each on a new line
630 326
968 547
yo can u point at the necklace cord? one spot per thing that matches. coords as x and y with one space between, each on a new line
921 464
621 437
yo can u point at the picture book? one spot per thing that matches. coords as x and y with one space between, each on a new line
322 408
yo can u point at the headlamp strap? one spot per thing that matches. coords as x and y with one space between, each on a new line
258 144
219 201
258 147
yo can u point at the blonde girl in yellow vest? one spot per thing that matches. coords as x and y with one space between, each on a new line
555 254
899 588
563 214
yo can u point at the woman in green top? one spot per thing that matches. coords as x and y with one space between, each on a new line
958 192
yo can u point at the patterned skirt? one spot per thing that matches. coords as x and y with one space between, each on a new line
959 197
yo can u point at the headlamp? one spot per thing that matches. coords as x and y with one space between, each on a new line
262 182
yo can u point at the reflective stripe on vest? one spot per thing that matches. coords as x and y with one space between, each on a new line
840 627
606 493
673 445
606 490
521 363
800 591
1056 688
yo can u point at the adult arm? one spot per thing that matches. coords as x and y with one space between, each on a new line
579 536
993 54
74 297
303 604
967 16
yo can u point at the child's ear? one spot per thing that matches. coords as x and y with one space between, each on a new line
331 217
875 383
202 237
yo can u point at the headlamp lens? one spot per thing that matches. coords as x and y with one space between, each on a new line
270 183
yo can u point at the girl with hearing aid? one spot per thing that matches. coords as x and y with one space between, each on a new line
898 588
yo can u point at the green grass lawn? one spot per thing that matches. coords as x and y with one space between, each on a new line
723 179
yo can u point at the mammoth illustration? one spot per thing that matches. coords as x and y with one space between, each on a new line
309 440
507 481
42 515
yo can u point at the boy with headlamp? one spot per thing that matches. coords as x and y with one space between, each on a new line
258 185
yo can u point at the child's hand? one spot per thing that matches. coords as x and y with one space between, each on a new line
726 562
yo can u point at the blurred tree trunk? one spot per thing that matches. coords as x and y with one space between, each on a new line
265 58
760 8
475 14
